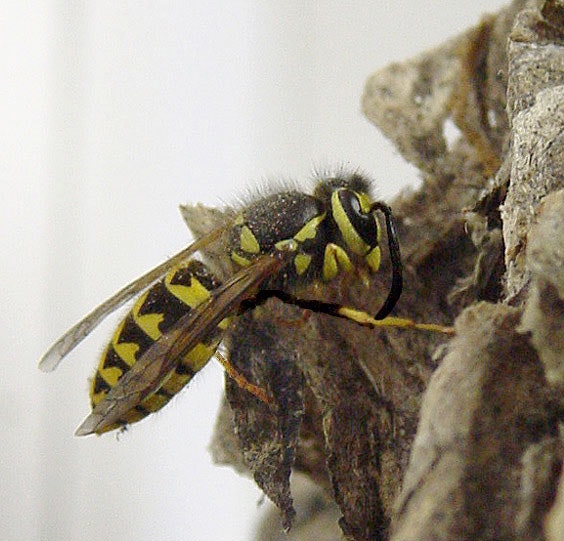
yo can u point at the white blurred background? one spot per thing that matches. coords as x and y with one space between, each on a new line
112 114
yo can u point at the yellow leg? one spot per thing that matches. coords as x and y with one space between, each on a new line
362 318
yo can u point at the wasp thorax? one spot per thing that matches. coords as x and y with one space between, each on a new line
326 232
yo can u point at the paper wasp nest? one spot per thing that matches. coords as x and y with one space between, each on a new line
412 435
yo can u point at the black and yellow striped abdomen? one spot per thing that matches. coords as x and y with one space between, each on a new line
155 312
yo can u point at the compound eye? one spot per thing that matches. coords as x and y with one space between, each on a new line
358 225
352 200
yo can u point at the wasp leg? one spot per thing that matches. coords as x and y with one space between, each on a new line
241 380
366 320
352 314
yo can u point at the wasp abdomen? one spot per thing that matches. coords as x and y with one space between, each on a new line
155 312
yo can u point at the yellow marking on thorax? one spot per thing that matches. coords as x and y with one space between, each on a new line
248 241
301 263
240 260
309 230
192 295
286 245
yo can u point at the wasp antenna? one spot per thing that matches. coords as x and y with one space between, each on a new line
395 256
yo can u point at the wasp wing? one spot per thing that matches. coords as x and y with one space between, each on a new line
148 373
78 332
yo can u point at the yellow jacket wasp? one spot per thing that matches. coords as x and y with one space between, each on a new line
274 244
